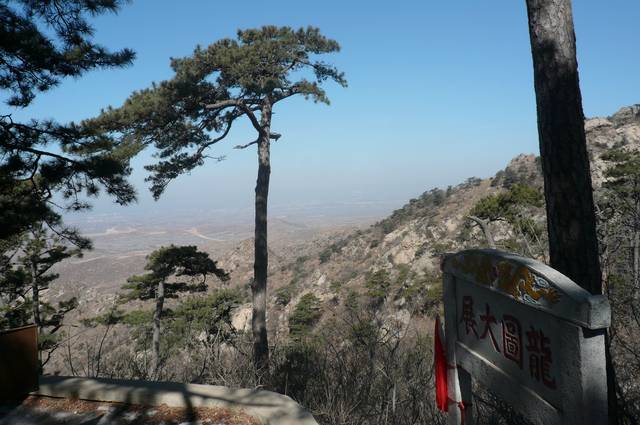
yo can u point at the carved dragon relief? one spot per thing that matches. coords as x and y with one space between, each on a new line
508 277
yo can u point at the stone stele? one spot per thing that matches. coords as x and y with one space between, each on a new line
528 334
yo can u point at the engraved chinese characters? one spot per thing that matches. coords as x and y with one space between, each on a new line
538 347
540 357
512 339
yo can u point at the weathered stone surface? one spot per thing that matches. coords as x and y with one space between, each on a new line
241 318
529 334
271 408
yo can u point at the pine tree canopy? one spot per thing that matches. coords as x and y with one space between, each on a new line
31 260
41 43
184 116
178 262
623 174
27 269
507 205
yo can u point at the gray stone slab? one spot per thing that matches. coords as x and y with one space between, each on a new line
528 333
271 408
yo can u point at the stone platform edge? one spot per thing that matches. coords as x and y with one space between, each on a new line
269 407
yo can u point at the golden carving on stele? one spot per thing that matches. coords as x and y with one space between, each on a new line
508 277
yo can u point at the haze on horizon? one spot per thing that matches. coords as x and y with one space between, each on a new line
437 93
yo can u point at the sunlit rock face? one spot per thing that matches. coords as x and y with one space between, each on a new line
621 130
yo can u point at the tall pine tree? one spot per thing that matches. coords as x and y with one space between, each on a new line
186 116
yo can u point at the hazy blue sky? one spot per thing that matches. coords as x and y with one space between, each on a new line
438 91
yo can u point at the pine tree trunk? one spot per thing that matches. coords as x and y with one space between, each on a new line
37 317
36 304
636 259
636 250
261 255
573 244
156 328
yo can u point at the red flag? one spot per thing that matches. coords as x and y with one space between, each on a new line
440 359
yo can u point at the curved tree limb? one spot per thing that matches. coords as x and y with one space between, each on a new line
484 225
240 104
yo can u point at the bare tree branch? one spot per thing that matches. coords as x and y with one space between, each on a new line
245 145
242 105
274 136
484 225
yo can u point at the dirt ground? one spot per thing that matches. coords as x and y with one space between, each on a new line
59 411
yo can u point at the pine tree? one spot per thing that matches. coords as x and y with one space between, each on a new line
515 207
183 265
621 204
27 274
568 191
573 244
41 43
185 117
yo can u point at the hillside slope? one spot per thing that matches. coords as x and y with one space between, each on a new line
408 243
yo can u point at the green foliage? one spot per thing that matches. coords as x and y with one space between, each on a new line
299 366
179 262
422 249
334 248
284 295
352 300
377 284
185 264
305 315
184 325
27 261
325 255
111 317
420 207
404 274
471 182
618 210
137 318
623 174
518 207
21 314
211 314
42 43
335 286
420 290
185 116
26 273
508 205
434 294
